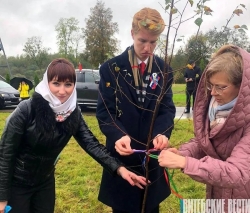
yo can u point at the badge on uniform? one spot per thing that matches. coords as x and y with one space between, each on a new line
154 78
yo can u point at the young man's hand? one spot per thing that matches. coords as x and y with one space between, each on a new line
122 146
160 142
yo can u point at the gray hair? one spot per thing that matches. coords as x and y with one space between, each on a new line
228 60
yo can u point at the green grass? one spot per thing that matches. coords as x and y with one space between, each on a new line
179 96
78 176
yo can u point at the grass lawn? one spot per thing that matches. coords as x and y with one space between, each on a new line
78 176
179 96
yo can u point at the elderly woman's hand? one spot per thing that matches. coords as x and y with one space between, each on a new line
171 160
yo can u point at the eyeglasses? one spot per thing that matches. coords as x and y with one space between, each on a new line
219 90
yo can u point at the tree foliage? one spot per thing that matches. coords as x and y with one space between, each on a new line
69 37
35 51
203 64
196 48
7 78
36 80
99 35
201 47
178 64
216 38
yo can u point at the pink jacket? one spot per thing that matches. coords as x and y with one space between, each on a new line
222 160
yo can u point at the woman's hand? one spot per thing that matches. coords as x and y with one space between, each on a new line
132 178
122 146
171 160
160 142
174 150
3 204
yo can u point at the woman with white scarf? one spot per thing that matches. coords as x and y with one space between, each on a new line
34 135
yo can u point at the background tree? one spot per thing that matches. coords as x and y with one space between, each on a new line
203 64
35 51
178 64
161 46
196 48
99 35
36 80
7 78
216 38
69 37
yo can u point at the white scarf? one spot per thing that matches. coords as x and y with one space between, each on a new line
62 111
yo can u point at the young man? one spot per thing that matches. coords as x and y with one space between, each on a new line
128 94
192 77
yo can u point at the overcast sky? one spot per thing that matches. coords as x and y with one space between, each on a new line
20 20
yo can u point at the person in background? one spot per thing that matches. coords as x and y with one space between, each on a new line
192 76
24 90
129 86
80 66
219 153
34 135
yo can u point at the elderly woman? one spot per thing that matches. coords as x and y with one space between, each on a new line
219 155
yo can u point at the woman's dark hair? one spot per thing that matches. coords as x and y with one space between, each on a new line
62 69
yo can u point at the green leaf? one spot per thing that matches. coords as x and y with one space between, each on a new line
198 21
241 30
243 5
205 1
167 7
244 27
174 10
191 2
179 39
143 23
167 2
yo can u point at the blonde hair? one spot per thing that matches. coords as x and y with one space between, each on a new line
228 60
148 19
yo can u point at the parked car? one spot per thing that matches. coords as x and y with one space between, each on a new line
87 81
8 95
